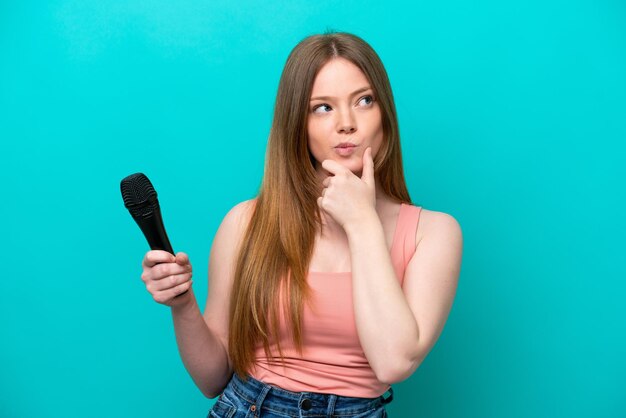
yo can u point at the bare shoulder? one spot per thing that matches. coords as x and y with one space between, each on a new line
431 276
222 265
238 216
228 237
438 225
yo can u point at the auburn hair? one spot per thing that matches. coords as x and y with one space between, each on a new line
277 246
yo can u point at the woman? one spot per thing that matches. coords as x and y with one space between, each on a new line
325 289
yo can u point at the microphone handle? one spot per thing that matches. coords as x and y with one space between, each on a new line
154 231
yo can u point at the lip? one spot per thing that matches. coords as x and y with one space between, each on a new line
346 145
346 149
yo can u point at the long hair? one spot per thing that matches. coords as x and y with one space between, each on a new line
277 247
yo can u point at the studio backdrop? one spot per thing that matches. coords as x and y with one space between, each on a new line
512 120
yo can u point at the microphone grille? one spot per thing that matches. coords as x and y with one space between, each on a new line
138 194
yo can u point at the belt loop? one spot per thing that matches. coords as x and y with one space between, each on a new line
259 399
385 401
331 405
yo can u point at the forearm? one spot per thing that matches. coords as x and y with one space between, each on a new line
386 326
201 351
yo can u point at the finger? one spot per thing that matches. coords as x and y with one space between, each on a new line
167 295
368 167
182 258
161 271
333 167
326 181
170 282
155 257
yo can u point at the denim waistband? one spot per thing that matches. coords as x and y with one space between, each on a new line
270 397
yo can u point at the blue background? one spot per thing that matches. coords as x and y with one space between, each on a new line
513 120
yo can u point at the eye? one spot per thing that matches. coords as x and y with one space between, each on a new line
366 100
323 108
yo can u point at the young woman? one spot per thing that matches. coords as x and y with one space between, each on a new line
330 285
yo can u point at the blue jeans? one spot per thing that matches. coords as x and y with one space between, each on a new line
254 398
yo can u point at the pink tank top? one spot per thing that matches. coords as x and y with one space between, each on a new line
332 360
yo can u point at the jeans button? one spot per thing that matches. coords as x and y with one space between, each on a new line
306 404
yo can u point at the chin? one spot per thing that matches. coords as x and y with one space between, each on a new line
355 166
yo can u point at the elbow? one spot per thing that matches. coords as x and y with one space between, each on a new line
211 386
214 390
395 373
211 392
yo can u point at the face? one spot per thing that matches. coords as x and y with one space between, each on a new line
344 117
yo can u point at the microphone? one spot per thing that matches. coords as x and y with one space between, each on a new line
140 199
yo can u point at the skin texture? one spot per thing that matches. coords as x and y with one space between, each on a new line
343 109
397 326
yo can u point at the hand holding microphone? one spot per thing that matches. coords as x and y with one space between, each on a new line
166 276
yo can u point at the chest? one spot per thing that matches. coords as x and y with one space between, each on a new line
329 316
331 251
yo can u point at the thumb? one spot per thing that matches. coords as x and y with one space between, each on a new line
367 175
182 258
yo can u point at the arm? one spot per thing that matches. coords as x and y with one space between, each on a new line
222 265
398 326
201 351
203 339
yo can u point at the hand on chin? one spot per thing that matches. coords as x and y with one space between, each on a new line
354 164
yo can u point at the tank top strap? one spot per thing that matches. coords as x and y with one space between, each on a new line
403 246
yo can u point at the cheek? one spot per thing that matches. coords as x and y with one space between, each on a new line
377 137
317 135
314 143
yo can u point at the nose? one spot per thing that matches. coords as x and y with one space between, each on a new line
346 123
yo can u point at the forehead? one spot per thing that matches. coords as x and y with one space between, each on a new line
338 77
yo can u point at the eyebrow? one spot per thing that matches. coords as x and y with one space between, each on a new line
361 90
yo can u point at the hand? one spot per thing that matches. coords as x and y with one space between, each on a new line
167 276
347 198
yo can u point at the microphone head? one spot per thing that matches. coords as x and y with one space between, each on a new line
139 195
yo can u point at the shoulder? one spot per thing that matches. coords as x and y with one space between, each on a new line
233 227
238 216
438 225
439 249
